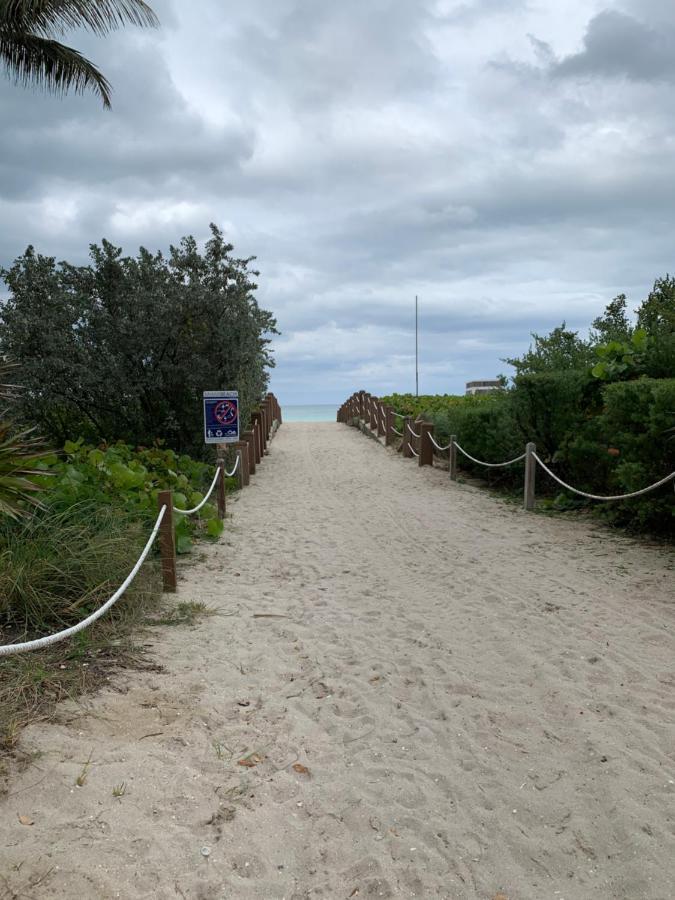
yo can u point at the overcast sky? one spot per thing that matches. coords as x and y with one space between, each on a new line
511 162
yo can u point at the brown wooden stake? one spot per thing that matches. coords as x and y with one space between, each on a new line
245 449
240 468
389 427
426 457
379 411
220 488
407 437
530 472
167 543
452 458
249 437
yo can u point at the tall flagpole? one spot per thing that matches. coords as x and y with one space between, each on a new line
417 370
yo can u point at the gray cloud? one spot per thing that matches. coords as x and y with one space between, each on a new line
511 165
617 44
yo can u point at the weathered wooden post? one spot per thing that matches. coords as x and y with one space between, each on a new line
407 437
221 491
388 426
381 429
263 430
530 473
249 437
246 448
452 458
240 468
167 543
257 437
373 413
426 457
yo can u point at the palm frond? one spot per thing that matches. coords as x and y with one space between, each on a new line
47 63
45 17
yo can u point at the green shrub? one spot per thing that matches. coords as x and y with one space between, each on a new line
131 479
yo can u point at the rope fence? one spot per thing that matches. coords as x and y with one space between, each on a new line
366 411
266 422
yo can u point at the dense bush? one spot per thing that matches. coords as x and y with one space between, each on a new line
601 438
130 480
122 349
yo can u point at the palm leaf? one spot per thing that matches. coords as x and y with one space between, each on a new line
49 64
100 16
31 54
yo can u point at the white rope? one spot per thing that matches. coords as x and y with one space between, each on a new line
412 451
489 465
190 512
236 465
414 433
400 415
437 446
399 433
9 649
384 422
568 487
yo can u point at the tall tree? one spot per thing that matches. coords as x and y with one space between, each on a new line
32 53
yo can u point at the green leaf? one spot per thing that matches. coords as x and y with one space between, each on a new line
180 501
214 528
183 544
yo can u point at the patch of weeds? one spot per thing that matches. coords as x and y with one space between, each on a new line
81 779
119 790
185 613
222 751
32 684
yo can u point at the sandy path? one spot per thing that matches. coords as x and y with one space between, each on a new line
484 700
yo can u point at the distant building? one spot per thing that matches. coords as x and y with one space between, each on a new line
482 387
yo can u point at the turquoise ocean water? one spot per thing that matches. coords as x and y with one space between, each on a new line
317 412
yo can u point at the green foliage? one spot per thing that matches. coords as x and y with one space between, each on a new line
123 348
119 476
20 450
427 404
559 351
602 438
621 359
613 324
32 54
656 314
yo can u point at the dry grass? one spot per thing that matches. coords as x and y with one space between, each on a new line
32 684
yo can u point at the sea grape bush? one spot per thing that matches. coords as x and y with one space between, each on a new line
131 480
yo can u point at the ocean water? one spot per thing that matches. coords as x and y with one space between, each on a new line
317 412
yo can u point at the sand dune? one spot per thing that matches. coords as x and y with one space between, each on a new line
478 702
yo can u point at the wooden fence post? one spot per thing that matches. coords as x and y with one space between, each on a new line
426 447
381 428
263 431
530 473
407 437
389 425
245 448
220 487
249 437
257 441
240 468
167 543
452 458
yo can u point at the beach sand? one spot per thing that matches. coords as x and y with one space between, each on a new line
479 703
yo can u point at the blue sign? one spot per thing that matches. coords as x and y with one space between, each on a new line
221 417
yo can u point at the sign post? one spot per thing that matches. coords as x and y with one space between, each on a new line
221 417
